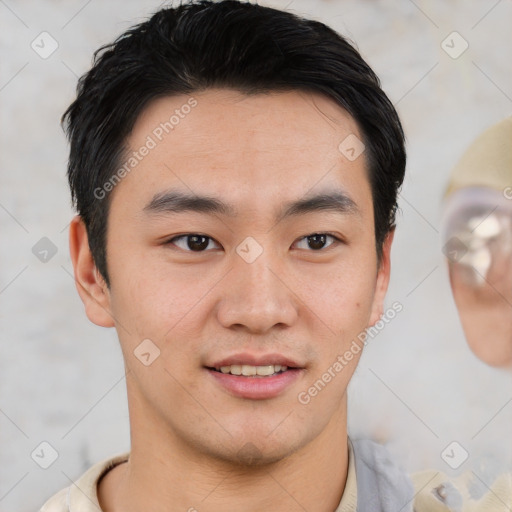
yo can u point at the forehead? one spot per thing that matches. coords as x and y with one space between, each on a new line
207 117
222 142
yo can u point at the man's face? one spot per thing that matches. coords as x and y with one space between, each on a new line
244 285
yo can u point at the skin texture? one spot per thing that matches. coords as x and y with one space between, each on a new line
193 444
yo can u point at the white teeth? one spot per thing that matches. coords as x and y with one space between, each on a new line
248 370
267 370
236 369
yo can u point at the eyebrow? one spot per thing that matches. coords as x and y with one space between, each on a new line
173 201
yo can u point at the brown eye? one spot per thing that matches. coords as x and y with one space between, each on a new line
317 241
197 242
192 242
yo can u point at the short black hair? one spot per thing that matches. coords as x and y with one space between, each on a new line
228 44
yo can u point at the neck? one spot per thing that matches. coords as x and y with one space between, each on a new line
163 474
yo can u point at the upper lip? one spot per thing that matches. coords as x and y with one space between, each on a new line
256 360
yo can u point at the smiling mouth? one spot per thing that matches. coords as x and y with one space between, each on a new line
246 370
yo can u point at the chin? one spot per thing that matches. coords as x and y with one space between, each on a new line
251 456
249 450
259 449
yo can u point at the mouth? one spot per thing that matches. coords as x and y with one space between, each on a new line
246 370
255 378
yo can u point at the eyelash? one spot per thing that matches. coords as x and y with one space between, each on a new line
336 241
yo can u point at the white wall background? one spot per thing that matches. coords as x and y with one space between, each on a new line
418 387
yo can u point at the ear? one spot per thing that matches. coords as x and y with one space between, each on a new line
383 274
90 284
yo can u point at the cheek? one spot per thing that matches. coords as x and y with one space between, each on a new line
159 309
340 295
152 296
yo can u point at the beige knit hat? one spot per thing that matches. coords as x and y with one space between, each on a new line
487 162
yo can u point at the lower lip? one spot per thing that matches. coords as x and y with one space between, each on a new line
256 388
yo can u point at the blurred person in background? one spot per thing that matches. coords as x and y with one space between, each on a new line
477 241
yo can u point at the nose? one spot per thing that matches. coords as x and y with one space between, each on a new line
256 296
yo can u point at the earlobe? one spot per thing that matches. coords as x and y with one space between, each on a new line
383 275
90 285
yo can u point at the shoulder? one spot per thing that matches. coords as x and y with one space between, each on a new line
82 495
380 481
